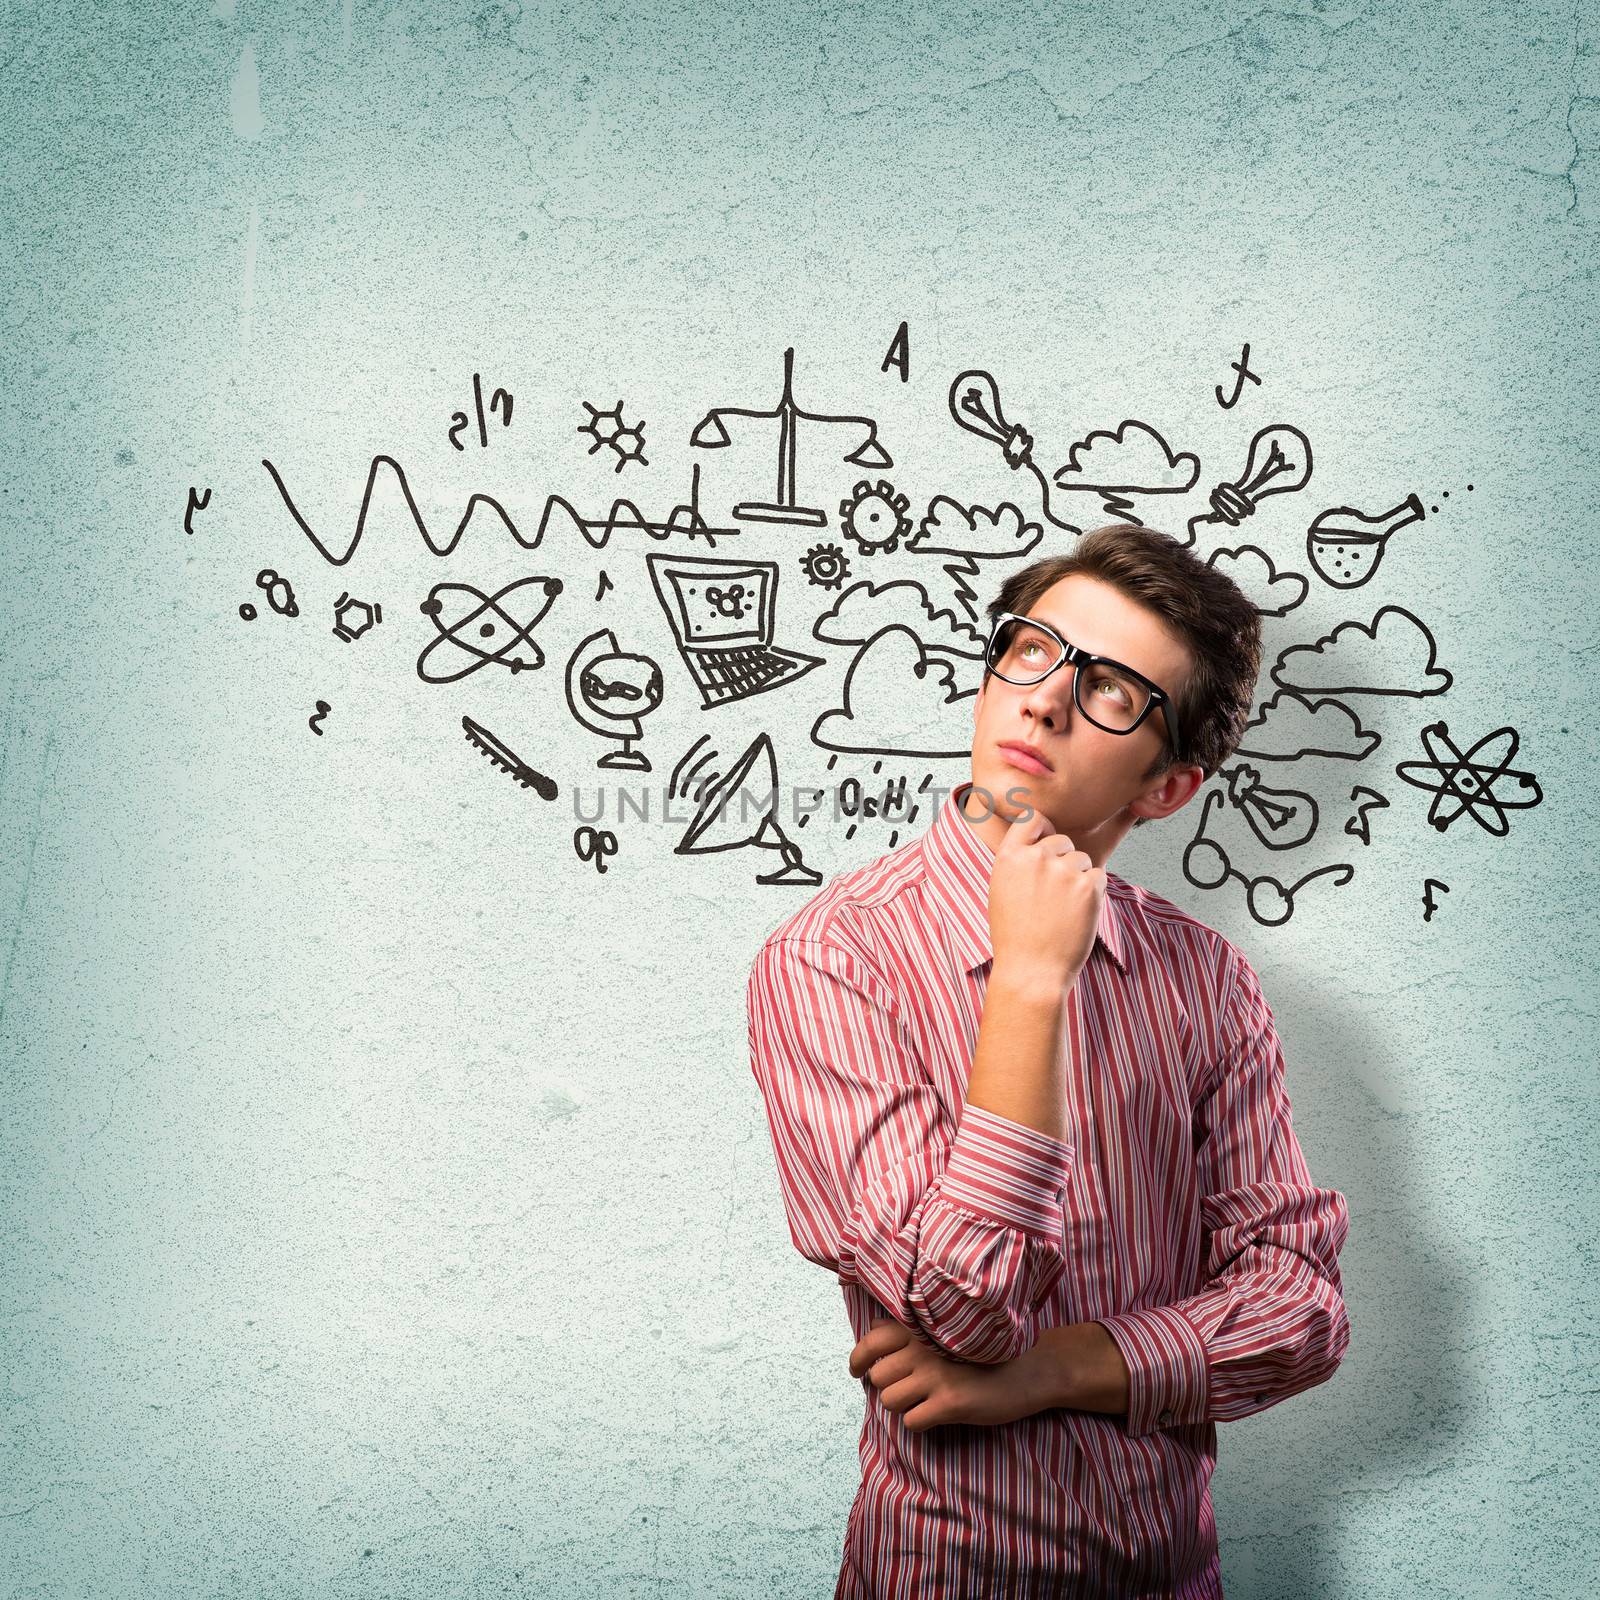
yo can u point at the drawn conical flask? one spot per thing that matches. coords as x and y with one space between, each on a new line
1345 545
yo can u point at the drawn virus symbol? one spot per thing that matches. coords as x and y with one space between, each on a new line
728 602
608 428
826 566
875 517
352 618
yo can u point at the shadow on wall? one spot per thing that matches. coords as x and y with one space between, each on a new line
1397 1408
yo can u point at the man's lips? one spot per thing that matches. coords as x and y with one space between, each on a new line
1025 756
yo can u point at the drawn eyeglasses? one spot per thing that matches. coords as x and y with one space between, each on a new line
1023 650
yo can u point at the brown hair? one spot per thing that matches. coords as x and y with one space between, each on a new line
1203 608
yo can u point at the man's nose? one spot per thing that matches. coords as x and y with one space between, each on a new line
1050 700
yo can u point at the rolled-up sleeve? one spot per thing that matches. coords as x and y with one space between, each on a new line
1271 1318
956 1230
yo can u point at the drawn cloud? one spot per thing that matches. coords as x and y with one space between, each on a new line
950 529
1288 727
899 701
1272 592
866 608
1388 655
1134 459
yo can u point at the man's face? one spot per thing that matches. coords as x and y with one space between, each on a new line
1095 786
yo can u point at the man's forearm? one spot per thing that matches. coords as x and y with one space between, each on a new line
1079 1365
1017 1067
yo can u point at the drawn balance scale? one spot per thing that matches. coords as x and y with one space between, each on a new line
710 434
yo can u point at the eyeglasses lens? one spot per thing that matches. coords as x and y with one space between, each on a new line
1107 696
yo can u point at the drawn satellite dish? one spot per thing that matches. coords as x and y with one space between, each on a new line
608 690
719 825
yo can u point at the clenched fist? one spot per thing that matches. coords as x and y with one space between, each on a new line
1044 902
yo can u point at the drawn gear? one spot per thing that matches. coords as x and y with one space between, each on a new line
826 566
875 517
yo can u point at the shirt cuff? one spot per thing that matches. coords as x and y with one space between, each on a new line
1168 1386
1008 1172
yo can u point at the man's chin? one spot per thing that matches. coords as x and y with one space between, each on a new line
1009 794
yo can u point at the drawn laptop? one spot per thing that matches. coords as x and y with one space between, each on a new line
721 614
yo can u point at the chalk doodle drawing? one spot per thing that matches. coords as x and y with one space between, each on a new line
711 433
476 629
444 549
904 654
974 403
866 608
1252 570
352 618
1289 726
196 502
625 517
1279 818
1345 545
1384 656
1365 800
1131 459
826 566
727 805
874 518
898 355
507 759
609 431
899 700
1268 900
971 534
1242 368
721 614
499 401
1468 781
1279 462
279 593
594 844
608 691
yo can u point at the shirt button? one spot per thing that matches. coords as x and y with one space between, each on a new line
1260 1398
1164 1418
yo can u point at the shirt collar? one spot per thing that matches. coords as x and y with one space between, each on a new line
959 861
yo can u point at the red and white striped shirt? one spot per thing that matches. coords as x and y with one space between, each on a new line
1178 1212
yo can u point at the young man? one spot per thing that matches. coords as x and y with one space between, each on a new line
1034 1118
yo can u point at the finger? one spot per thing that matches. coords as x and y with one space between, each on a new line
1026 828
890 1368
877 1341
904 1394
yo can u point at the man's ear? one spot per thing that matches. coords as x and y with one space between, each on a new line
1176 788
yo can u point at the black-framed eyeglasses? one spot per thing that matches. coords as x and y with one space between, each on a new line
1024 651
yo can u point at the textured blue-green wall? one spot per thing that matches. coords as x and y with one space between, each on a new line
388 1206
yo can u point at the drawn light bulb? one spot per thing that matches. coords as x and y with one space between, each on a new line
1279 461
1279 818
975 405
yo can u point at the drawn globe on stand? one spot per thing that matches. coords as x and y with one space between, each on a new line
608 691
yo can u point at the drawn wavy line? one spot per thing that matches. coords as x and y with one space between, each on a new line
626 517
411 505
